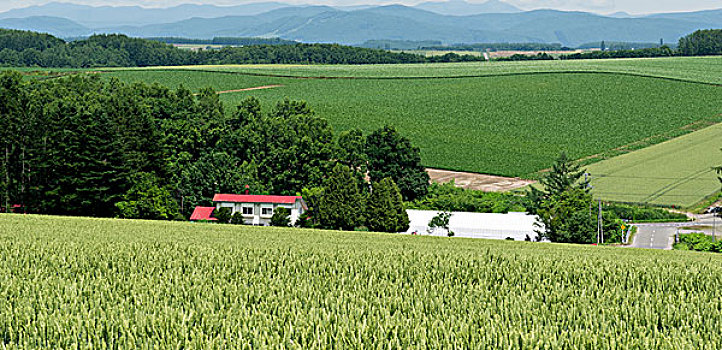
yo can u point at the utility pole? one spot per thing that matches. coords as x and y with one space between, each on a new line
7 180
600 226
714 227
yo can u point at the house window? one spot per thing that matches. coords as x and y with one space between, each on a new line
247 210
268 211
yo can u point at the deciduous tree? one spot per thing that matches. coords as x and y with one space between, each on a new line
392 155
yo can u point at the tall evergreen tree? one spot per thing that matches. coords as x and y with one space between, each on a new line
563 203
564 175
341 205
385 208
12 126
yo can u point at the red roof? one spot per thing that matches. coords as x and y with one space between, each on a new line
203 213
251 198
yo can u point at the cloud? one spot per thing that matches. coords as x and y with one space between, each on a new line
586 5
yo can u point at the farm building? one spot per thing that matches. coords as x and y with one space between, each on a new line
516 226
256 209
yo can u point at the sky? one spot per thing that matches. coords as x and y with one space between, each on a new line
599 6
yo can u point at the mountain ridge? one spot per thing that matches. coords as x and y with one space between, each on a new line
391 22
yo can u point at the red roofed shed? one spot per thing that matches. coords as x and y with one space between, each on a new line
203 214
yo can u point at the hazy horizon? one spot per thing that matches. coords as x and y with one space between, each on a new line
598 6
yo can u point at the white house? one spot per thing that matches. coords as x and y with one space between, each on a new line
258 209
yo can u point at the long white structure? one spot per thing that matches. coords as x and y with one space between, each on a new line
477 225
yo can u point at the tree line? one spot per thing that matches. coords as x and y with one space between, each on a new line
238 41
82 145
29 49
699 43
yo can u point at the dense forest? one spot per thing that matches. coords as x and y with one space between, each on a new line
85 146
29 49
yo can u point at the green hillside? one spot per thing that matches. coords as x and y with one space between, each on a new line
506 124
135 284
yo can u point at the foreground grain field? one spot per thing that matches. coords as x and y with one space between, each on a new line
677 172
512 125
75 282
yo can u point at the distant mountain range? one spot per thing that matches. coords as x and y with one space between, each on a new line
455 21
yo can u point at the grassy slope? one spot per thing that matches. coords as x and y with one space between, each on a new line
506 125
677 172
135 283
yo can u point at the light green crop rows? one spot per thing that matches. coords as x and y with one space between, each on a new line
701 69
678 172
504 125
75 282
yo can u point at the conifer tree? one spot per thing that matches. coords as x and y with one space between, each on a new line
385 208
564 175
340 206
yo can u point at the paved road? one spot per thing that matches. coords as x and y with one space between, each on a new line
661 236
654 237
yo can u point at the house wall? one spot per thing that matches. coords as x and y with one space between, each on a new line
257 218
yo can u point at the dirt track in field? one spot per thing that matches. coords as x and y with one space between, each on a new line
473 181
250 89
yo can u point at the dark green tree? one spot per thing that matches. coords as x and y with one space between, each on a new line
80 165
292 147
441 220
216 172
702 42
562 202
237 219
564 175
147 199
392 155
341 205
13 128
281 217
223 215
567 217
385 208
312 197
352 150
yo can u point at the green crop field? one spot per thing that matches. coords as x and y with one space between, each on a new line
677 172
102 283
700 69
513 125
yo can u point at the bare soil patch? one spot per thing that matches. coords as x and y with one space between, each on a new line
482 182
250 89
